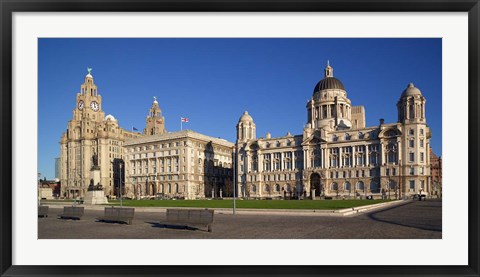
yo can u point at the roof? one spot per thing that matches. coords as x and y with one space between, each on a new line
177 135
329 83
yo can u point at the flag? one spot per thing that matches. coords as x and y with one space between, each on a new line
184 119
135 129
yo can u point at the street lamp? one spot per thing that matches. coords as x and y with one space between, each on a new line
120 184
234 180
38 189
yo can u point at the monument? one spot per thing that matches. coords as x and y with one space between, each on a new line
95 194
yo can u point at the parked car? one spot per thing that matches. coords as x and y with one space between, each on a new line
419 197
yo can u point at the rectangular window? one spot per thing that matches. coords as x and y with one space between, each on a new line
412 184
411 143
421 131
421 143
412 157
387 171
412 171
421 156
411 132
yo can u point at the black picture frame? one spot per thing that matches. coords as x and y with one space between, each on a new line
8 7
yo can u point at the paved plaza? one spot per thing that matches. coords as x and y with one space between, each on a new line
408 220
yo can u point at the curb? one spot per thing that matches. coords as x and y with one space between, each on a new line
361 209
342 212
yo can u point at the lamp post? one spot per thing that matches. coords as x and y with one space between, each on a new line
400 179
234 179
120 184
38 188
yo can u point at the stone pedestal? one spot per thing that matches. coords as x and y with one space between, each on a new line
95 197
95 175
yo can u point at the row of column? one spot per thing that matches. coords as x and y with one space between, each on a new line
326 111
414 110
325 154
150 166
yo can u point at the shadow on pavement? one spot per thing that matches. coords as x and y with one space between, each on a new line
413 217
171 226
111 221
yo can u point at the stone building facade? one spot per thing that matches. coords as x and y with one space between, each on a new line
337 155
90 133
182 164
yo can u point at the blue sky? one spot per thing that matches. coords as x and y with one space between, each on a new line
213 81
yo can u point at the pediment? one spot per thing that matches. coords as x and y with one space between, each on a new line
315 138
389 133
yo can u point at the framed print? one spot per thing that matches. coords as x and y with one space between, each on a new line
356 189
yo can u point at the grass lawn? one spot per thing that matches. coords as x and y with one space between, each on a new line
250 204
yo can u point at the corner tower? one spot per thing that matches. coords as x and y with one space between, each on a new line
155 121
411 106
329 106
415 154
246 129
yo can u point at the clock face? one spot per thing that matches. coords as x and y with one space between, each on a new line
80 105
94 106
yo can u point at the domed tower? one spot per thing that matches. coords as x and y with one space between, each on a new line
415 157
329 105
246 129
155 121
411 106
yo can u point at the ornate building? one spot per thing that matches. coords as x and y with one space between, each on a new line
90 132
337 155
180 164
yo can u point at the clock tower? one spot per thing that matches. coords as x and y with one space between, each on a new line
89 102
90 134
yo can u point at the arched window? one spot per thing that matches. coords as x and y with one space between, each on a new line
169 188
176 188
254 188
347 186
334 186
360 185
277 187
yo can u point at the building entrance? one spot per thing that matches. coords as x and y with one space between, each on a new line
316 183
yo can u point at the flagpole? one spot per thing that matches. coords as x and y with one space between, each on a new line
181 126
